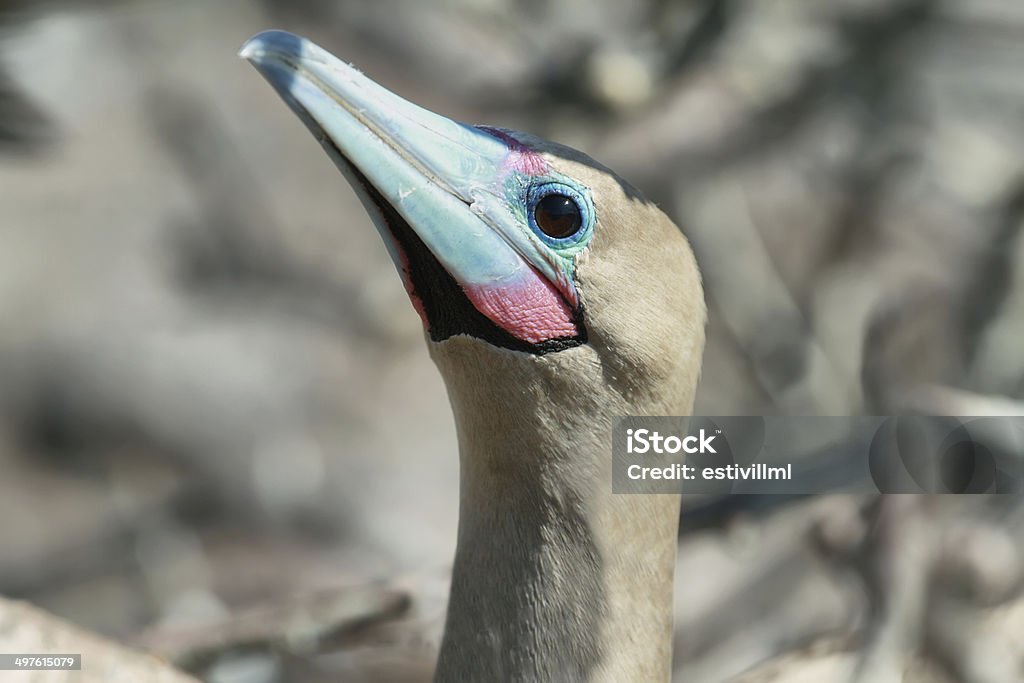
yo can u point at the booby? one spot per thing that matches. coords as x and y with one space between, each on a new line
554 298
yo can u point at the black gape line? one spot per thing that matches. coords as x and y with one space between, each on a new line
449 312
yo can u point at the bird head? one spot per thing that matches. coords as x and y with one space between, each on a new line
516 252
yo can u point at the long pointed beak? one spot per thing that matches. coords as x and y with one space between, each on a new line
442 177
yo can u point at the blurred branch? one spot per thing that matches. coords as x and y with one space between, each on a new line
992 276
302 626
711 24
862 64
23 125
930 581
935 399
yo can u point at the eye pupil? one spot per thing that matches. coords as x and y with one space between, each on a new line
558 216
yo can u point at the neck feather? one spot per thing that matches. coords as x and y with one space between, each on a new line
555 577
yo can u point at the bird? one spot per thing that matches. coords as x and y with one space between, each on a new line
554 298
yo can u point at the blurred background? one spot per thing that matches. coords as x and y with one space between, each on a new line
221 437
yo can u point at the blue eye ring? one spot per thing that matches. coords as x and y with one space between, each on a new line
540 197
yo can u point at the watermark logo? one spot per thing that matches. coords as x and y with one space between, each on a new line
650 441
809 455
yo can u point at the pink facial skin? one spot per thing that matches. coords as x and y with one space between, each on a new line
521 158
530 309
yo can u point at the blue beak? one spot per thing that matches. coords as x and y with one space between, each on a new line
456 186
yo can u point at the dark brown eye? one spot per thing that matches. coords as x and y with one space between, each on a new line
558 216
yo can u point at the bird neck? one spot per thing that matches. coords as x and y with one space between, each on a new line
555 577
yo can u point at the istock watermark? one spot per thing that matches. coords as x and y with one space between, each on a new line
646 440
809 455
